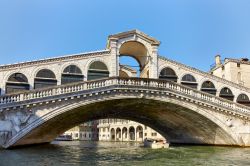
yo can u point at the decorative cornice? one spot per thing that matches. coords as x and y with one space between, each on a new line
56 59
152 40
236 61
205 74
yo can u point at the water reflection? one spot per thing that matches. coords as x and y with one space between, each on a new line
103 153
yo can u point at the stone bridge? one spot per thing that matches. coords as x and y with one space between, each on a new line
41 99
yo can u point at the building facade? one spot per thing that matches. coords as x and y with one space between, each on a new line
234 70
125 130
86 131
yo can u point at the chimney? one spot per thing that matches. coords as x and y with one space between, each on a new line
217 60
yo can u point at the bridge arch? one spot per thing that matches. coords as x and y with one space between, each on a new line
178 122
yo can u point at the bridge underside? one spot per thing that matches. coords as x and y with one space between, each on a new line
176 123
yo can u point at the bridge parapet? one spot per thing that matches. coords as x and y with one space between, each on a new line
27 98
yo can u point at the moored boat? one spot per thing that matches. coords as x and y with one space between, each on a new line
64 138
155 143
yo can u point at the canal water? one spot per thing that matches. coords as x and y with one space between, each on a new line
111 154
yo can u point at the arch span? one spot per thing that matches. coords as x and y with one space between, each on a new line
178 122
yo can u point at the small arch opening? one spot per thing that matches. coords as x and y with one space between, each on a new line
97 70
45 78
226 93
189 80
124 134
17 82
139 133
168 74
208 87
243 99
71 74
112 133
131 133
118 134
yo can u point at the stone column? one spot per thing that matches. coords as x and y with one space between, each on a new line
114 58
153 71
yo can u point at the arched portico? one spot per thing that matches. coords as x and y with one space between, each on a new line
143 48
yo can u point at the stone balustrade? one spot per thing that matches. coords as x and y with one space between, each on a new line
142 83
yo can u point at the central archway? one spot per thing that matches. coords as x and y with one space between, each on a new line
139 52
176 123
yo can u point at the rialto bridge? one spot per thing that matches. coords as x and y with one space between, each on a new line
41 99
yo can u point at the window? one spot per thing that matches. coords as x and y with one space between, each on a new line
45 78
243 99
97 70
168 74
226 93
208 87
189 80
153 134
17 82
71 74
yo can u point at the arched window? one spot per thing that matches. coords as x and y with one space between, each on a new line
118 134
132 133
124 133
45 78
139 133
189 80
112 133
208 87
17 82
226 93
243 99
168 74
71 74
97 70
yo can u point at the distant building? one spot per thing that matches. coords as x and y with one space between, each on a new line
235 70
87 131
125 130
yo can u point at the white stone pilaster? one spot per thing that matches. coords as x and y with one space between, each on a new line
114 58
153 72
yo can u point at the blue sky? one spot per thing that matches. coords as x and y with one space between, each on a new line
190 31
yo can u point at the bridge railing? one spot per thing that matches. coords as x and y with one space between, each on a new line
122 82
